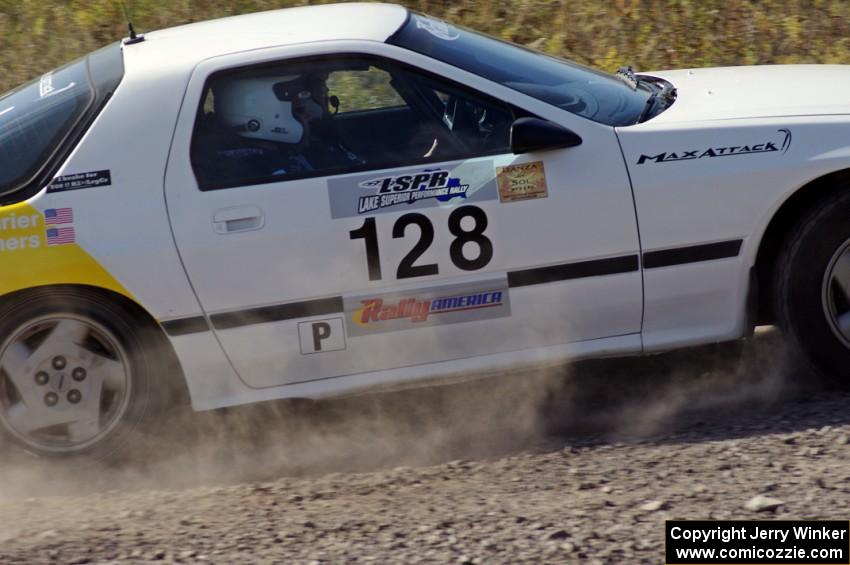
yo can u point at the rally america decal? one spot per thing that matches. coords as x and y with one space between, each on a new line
368 314
413 189
779 145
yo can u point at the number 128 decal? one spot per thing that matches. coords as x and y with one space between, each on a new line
407 268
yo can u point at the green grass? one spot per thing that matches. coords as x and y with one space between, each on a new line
37 35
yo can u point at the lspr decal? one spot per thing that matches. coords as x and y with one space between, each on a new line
412 189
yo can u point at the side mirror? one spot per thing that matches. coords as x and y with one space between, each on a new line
534 134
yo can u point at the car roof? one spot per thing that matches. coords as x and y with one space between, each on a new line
194 42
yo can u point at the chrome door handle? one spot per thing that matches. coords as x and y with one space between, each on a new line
238 219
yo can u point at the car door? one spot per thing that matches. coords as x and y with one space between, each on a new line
396 230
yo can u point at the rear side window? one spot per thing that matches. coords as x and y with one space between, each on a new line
41 121
34 118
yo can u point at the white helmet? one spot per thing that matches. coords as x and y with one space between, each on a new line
251 106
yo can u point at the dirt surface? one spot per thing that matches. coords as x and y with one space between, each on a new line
578 465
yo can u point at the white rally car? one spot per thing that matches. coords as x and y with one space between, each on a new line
314 201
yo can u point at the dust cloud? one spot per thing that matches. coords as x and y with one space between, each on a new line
626 399
638 399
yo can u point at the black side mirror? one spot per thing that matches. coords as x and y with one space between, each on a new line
534 134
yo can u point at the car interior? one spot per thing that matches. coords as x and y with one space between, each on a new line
386 114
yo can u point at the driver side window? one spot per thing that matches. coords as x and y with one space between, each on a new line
364 89
334 115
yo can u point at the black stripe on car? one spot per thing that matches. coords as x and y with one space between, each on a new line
277 313
185 326
692 254
516 279
567 271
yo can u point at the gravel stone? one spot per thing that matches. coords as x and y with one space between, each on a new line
761 503
652 506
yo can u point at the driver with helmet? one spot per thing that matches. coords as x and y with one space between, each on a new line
272 126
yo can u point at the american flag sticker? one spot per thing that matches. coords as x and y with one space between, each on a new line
58 216
60 236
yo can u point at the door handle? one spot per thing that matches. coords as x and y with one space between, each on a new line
238 219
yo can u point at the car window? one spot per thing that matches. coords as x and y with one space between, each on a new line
34 118
363 90
327 116
41 121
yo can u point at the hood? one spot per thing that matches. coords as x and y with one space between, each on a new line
724 93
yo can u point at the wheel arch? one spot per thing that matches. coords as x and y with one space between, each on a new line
137 311
779 228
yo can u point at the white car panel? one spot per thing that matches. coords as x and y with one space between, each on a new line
701 302
303 255
767 91
211 391
713 199
184 46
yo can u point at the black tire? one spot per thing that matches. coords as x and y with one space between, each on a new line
119 338
800 302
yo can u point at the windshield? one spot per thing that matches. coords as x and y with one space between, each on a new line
589 93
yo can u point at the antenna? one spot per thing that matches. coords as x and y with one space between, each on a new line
134 38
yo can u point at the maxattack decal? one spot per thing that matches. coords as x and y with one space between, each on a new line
779 145
449 304
410 190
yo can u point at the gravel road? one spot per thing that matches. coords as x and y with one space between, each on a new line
578 465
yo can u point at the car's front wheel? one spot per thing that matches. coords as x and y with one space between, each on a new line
76 374
812 294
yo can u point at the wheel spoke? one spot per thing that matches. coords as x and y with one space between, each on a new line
15 361
86 415
843 322
63 335
83 430
24 419
841 274
110 372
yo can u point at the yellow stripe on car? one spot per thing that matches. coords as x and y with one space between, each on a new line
27 259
